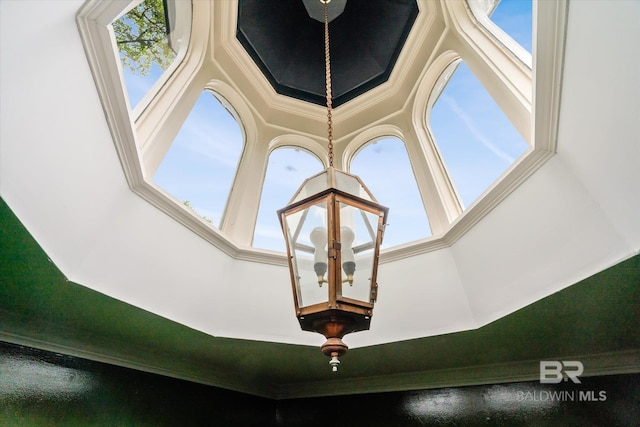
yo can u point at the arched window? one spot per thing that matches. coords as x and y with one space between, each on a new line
510 21
201 164
287 169
474 137
515 17
150 37
384 167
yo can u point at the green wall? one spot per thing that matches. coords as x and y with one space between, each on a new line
513 404
40 388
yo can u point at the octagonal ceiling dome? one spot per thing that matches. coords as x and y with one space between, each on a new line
287 44
460 293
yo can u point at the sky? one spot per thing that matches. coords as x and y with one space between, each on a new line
476 141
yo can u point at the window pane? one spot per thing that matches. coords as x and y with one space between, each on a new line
476 140
201 164
288 168
358 230
385 169
146 45
515 17
307 236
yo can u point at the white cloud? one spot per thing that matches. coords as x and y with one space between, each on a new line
219 144
468 121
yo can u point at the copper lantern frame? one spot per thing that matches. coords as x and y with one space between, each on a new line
337 314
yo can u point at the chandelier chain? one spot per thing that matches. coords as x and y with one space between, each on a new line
327 62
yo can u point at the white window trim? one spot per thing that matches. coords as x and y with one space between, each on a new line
137 140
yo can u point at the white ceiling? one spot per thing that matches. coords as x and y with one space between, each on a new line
61 175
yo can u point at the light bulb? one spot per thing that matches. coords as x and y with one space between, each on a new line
347 236
318 238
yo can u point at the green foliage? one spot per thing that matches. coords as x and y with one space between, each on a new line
187 203
141 35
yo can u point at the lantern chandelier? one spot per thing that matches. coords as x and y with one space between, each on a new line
333 227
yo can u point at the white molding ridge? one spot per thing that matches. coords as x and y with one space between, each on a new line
613 363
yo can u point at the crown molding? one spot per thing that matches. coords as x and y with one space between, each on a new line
612 363
211 378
